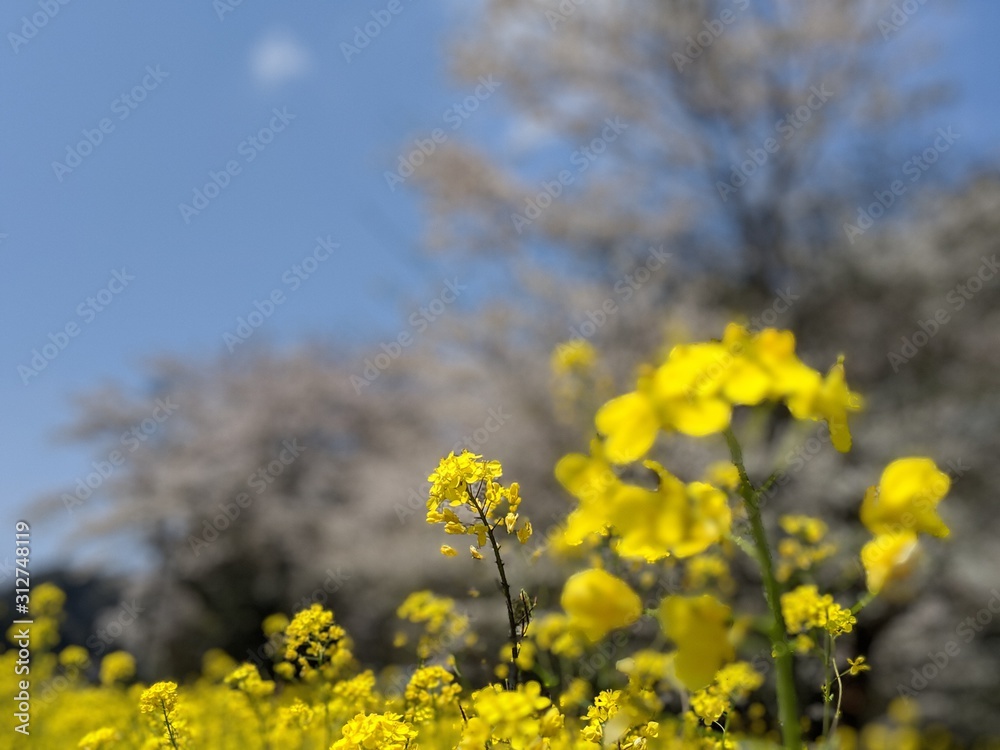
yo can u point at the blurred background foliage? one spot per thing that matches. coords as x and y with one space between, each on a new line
342 523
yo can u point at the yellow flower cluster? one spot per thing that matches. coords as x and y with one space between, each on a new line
648 524
246 679
733 683
431 693
802 549
375 732
518 717
467 482
695 389
316 645
577 355
99 739
442 626
805 608
558 633
116 667
159 698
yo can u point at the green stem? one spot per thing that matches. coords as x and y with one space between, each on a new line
827 687
170 729
511 619
865 600
788 709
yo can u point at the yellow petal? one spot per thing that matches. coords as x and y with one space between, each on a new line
629 424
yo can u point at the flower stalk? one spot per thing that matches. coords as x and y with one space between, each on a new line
788 710
505 587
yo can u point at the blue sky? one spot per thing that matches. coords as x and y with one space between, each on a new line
208 85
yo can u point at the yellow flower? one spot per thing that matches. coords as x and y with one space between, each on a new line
857 666
888 558
588 478
906 498
804 608
375 732
513 716
723 474
675 519
101 738
598 602
159 699
448 551
451 480
47 600
577 355
75 657
686 389
629 424
118 666
733 682
275 623
442 624
431 692
246 679
709 705
315 643
828 399
803 644
699 625
298 714
474 552
524 532
809 528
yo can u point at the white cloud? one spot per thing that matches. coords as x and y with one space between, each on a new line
278 58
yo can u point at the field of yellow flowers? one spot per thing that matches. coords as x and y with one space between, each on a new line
617 665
